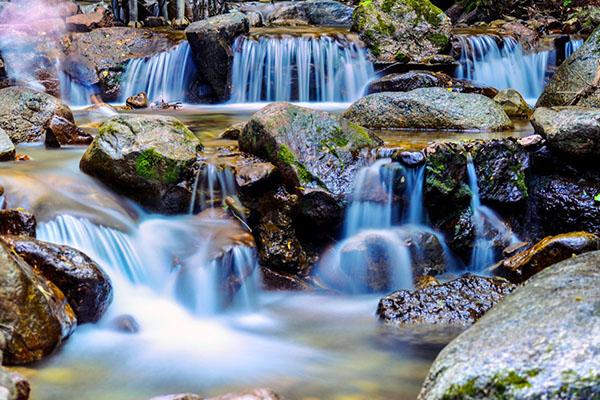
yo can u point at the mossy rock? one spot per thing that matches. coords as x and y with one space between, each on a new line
145 158
400 30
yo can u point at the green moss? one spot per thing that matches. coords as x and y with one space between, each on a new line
439 40
286 156
401 57
495 387
151 165
426 10
455 391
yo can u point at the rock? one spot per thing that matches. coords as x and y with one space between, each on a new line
87 288
577 80
401 30
404 82
13 386
254 394
17 222
26 115
7 148
233 132
273 280
574 131
319 209
101 18
139 100
311 149
211 41
145 158
428 108
34 314
459 302
513 104
310 12
540 342
126 324
64 132
180 396
155 22
547 252
531 142
409 159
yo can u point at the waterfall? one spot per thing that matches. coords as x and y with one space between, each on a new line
415 213
299 68
165 76
572 46
504 65
215 184
74 93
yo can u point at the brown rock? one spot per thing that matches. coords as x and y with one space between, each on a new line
101 18
64 132
139 100
17 222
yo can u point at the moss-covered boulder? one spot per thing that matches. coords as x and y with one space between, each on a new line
540 342
577 80
401 30
428 108
311 149
147 158
34 314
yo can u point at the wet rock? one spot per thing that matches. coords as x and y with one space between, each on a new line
87 288
319 209
401 30
425 281
513 104
574 131
576 82
404 82
17 222
465 86
139 100
428 108
541 341
211 41
233 132
547 252
34 314
145 158
254 394
311 12
459 302
26 115
13 386
531 142
273 280
7 148
410 158
126 324
64 132
101 18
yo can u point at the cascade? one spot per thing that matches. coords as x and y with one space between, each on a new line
504 65
299 68
74 93
165 76
572 46
215 185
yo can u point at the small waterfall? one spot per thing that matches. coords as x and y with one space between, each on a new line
572 46
214 184
165 76
504 65
415 213
74 93
299 68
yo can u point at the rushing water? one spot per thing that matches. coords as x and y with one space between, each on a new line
299 68
74 93
572 46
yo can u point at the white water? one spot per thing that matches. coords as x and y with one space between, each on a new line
572 46
215 185
505 65
74 93
165 76
302 69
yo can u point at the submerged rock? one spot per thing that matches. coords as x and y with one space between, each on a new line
139 100
402 30
429 108
17 222
13 386
311 149
27 115
574 131
547 252
211 40
34 314
458 302
145 158
540 342
87 288
513 103
577 80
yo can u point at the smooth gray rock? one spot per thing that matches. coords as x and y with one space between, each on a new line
7 148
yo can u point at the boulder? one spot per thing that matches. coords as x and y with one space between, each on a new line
547 252
7 148
233 132
402 30
86 287
65 132
311 149
574 131
27 115
459 302
100 18
404 82
139 100
145 158
34 314
577 80
540 342
513 104
17 222
13 386
428 108
310 12
211 41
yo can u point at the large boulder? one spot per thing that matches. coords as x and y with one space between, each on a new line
27 115
145 158
401 30
34 314
429 108
211 41
458 302
574 131
540 342
577 80
311 149
86 287
547 252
